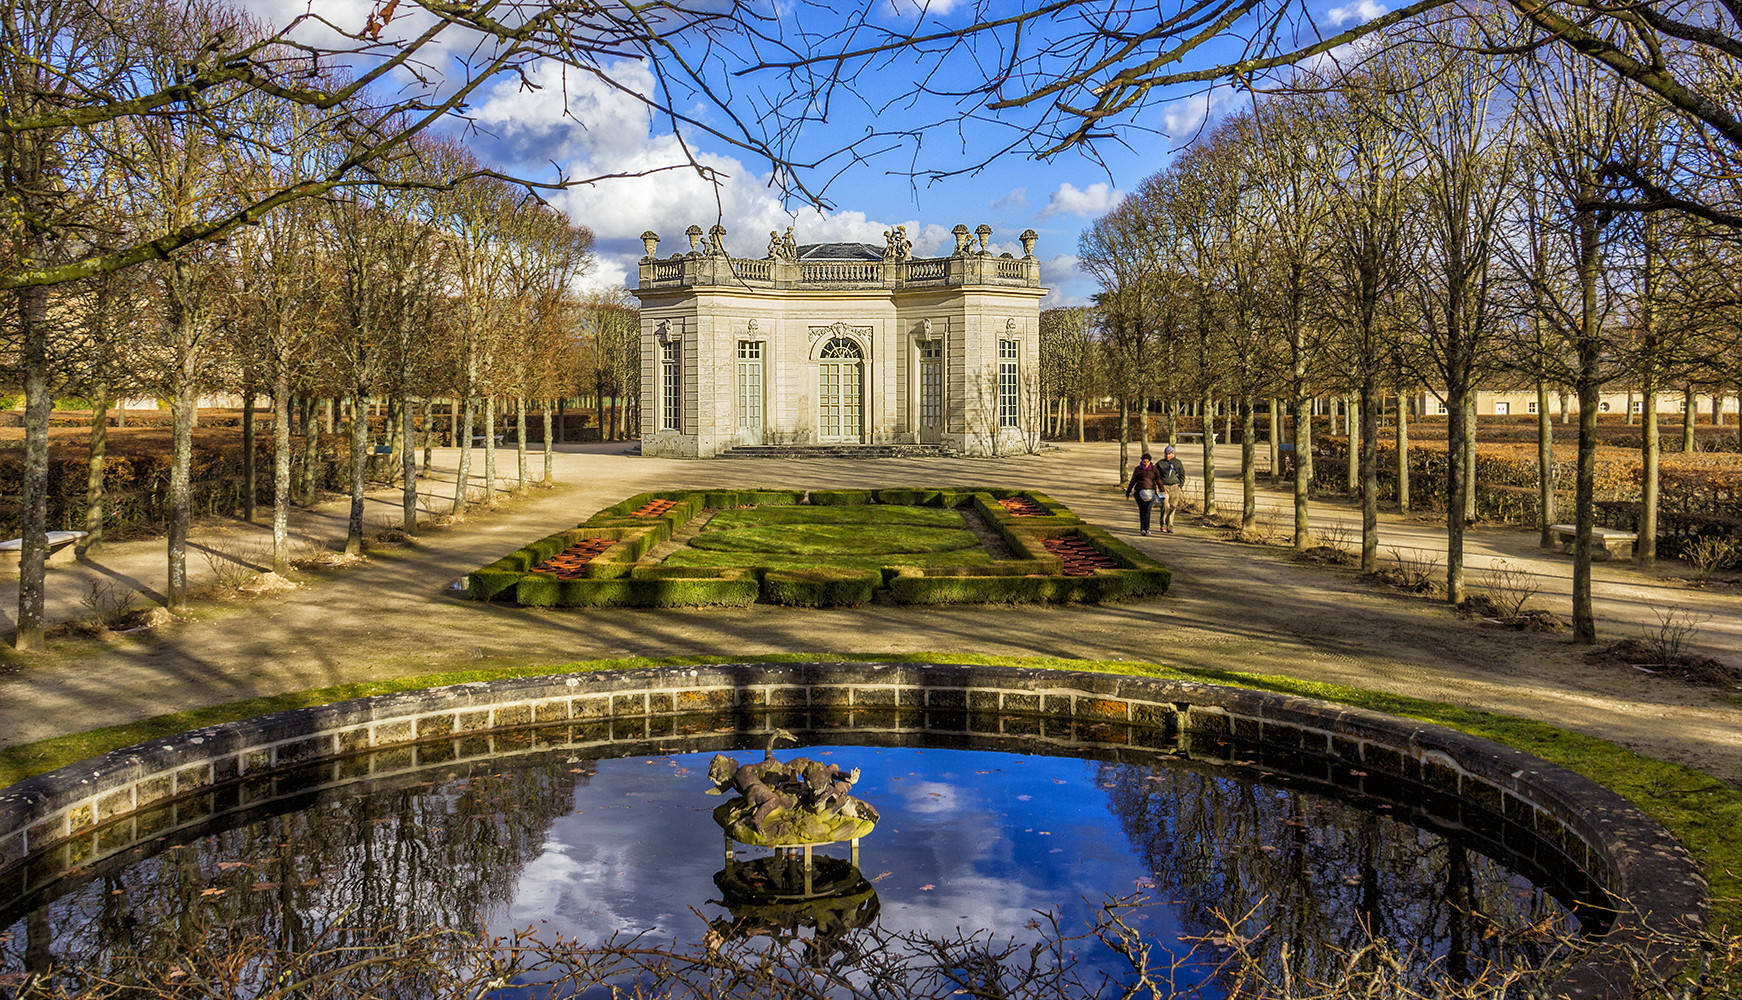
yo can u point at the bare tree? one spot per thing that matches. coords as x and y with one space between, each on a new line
1370 234
1575 117
1459 140
1292 195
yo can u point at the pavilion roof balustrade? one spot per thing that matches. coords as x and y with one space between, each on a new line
701 269
789 266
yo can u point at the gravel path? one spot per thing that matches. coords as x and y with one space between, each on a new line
1232 606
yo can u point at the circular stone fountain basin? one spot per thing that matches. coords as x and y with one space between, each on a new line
1003 791
972 841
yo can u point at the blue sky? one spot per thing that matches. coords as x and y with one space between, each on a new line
590 128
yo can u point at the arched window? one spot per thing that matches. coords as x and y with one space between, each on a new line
841 349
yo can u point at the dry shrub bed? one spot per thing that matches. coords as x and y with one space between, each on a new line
136 476
1699 494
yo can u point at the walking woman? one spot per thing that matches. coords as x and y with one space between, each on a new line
1146 481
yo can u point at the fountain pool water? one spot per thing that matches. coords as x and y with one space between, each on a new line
971 841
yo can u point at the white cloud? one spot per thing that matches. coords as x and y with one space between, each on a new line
919 8
1067 284
1359 11
593 129
1064 267
1096 199
1187 115
1017 198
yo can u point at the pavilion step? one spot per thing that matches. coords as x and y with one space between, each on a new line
838 451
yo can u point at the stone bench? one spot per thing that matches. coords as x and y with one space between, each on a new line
12 550
1606 543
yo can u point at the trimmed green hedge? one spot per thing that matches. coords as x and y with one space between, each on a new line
825 577
841 498
914 588
821 587
910 498
734 587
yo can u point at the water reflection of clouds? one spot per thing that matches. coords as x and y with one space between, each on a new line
970 843
625 860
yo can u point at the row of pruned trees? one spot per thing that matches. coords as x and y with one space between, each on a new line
193 200
1441 213
438 280
393 298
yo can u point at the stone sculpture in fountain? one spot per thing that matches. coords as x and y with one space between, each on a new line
788 803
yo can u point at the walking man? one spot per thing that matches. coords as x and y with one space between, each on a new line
1172 475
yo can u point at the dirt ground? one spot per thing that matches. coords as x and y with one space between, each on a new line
1232 606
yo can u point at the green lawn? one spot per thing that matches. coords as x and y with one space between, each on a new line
771 560
831 540
750 517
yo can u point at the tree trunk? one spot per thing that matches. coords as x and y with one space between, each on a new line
1590 352
1690 410
1650 450
428 435
463 429
281 470
1650 446
1352 410
1470 459
1303 471
33 516
359 472
1544 466
489 450
311 449
1248 473
94 498
1275 439
454 424
390 434
407 462
184 415
549 446
1368 407
1584 621
1457 489
1143 424
1209 458
599 398
1124 441
1629 410
520 438
1082 432
248 457
1402 453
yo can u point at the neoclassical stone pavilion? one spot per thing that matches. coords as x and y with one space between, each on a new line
838 344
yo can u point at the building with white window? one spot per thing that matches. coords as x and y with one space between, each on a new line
1512 402
839 344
